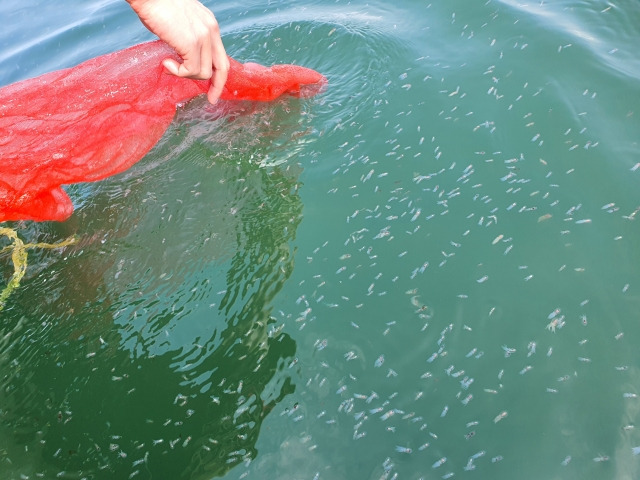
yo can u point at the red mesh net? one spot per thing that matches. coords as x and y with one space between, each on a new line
97 119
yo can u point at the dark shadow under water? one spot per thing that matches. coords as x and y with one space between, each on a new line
149 349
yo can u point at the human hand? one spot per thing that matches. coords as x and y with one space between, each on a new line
192 31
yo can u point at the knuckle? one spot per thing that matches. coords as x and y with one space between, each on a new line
206 72
211 22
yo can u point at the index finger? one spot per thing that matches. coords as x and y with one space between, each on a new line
220 70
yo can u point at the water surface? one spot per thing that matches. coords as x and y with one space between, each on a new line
429 271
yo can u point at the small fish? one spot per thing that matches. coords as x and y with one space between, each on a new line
532 348
508 351
553 314
500 416
466 382
439 462
387 415
401 449
477 455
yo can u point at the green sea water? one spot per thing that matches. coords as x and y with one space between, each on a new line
428 271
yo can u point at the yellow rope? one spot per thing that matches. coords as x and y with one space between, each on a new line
19 258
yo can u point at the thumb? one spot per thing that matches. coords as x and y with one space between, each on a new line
173 67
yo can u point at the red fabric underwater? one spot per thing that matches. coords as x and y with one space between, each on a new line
97 119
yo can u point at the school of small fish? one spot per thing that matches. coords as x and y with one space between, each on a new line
426 263
464 302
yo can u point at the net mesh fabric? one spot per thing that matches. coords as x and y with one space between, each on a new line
97 119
